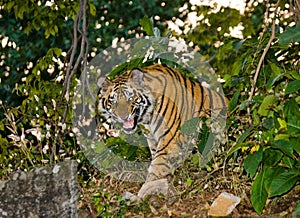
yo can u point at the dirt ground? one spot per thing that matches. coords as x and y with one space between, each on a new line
196 191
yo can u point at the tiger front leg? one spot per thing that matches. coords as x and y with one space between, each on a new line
166 156
162 165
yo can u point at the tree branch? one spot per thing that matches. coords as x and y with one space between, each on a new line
263 55
71 70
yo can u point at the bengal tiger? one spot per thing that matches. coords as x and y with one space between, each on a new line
162 100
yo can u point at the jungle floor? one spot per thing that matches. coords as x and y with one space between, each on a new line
101 196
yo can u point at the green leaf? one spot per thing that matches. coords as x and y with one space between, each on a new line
244 104
252 162
238 45
47 33
265 106
292 112
281 137
284 146
272 80
189 181
233 102
236 68
283 182
288 162
238 147
57 51
268 123
290 35
292 87
259 195
275 69
256 118
245 134
147 24
270 173
204 135
295 74
190 126
295 142
93 9
272 157
10 5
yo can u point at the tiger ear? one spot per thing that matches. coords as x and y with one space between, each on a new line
137 77
103 83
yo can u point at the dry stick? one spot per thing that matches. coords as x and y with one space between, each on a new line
263 55
261 61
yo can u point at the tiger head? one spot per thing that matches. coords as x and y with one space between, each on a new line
125 100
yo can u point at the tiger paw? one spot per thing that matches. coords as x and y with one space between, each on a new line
131 198
150 188
156 187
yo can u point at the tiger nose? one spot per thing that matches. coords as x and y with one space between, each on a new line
122 114
122 110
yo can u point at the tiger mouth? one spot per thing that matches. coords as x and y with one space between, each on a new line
129 126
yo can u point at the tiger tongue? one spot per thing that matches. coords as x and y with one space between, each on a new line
128 124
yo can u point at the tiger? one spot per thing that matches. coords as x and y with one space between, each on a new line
161 99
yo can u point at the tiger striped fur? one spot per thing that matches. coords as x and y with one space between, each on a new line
161 99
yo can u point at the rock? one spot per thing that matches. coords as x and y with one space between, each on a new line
223 205
42 192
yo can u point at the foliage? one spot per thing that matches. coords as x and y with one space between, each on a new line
273 140
270 129
290 35
105 204
35 39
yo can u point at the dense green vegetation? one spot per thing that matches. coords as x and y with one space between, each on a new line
42 56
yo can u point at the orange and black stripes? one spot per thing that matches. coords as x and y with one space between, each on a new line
164 101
